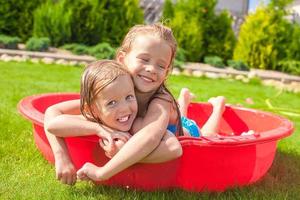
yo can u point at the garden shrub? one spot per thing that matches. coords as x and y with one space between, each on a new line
238 65
290 66
264 38
180 58
17 17
52 20
9 42
215 61
293 51
102 51
119 17
199 29
78 49
168 10
187 27
38 44
219 36
87 21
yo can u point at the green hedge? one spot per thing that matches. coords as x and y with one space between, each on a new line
16 17
264 38
238 65
53 20
293 50
9 42
180 58
78 49
100 51
38 44
290 66
86 21
215 61
199 29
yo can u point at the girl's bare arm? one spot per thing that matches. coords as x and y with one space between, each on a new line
142 143
65 170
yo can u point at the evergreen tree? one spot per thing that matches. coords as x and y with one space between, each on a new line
264 37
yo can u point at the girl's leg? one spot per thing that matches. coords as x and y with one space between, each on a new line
212 125
184 100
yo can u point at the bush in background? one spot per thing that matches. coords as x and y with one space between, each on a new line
219 36
86 21
16 17
120 16
264 37
38 44
78 49
180 58
290 66
238 65
102 51
199 29
215 61
53 20
9 42
293 50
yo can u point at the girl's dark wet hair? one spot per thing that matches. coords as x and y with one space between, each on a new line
95 77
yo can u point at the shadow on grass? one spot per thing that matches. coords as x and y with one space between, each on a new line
281 182
284 174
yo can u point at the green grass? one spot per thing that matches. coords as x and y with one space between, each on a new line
24 174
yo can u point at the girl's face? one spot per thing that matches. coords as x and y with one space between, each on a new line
148 61
116 104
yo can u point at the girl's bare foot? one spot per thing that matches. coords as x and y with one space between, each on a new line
184 100
218 103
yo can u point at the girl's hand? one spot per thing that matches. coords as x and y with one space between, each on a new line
106 137
65 170
90 171
119 139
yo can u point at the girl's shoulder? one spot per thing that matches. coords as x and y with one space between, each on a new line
163 94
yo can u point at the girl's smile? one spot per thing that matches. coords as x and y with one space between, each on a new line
148 61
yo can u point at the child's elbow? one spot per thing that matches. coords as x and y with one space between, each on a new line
50 128
177 151
175 148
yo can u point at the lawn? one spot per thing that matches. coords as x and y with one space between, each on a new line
24 174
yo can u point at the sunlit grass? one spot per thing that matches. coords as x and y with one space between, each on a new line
24 174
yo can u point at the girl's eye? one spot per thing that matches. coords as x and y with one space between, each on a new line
162 66
112 103
144 59
130 97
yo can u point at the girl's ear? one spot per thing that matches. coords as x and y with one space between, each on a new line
121 57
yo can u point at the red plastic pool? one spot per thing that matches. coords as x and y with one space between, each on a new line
207 163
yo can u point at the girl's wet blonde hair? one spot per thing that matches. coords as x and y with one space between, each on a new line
157 30
164 33
96 77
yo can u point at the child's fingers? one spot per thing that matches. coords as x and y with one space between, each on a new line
83 178
81 175
121 137
108 140
106 146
